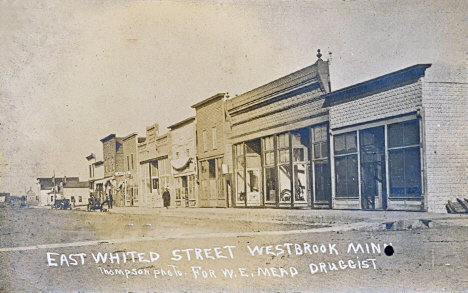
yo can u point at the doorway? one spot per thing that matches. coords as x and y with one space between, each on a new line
372 155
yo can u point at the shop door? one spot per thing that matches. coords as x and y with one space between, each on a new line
373 187
212 183
253 187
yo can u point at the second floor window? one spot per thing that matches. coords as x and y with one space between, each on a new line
204 141
213 132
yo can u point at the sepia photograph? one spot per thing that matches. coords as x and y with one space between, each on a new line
234 146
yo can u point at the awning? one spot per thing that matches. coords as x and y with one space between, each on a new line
181 164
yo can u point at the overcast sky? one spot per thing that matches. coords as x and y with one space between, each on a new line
72 72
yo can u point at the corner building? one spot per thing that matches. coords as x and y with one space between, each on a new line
396 142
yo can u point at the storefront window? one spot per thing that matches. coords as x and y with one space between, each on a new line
240 180
269 169
404 159
346 165
285 183
284 168
321 165
270 184
300 143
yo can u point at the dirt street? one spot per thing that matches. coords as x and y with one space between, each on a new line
73 251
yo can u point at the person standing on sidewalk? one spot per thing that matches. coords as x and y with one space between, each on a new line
167 198
111 200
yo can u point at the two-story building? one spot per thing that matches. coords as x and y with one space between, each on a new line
184 162
131 166
113 168
155 169
96 177
213 150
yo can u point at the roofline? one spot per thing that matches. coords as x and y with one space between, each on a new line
180 123
90 157
362 87
213 98
129 136
109 137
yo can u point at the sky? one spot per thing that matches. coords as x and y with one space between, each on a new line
73 72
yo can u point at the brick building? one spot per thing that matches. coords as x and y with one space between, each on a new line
155 170
112 149
396 142
213 152
184 162
131 178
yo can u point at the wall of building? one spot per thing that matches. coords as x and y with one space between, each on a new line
108 151
77 192
209 116
131 167
394 102
294 112
183 140
446 140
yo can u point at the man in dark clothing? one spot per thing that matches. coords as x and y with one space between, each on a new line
167 198
111 201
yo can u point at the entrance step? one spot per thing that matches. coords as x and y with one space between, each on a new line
457 207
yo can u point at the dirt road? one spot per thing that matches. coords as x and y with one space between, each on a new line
164 254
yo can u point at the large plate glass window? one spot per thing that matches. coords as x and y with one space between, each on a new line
284 168
300 160
404 160
321 165
346 165
269 169
240 179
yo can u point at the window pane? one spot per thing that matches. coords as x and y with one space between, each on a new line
300 182
395 135
270 183
298 154
345 143
340 144
352 176
413 171
285 183
240 185
346 176
317 151
340 174
252 181
322 180
411 133
324 149
351 145
317 133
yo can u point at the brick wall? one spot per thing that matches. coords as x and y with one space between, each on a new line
119 155
446 140
401 100
108 150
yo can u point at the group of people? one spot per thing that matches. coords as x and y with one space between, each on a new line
94 201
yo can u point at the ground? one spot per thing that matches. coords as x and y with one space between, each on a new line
43 250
